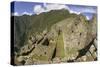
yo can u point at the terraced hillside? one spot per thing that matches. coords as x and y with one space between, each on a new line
54 37
30 25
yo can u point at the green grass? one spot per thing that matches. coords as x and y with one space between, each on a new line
60 52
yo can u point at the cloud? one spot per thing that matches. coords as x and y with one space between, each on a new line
71 11
55 7
48 7
26 13
15 14
38 9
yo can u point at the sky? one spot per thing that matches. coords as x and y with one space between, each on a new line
31 8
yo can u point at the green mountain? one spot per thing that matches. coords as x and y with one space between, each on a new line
27 25
54 37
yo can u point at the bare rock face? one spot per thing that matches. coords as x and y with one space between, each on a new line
78 36
72 39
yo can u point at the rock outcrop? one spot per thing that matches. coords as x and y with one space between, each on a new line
73 39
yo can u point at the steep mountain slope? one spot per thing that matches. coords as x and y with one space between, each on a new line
30 25
54 37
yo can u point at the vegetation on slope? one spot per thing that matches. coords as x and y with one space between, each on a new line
60 47
31 25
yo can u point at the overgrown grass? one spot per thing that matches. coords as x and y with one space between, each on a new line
60 52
